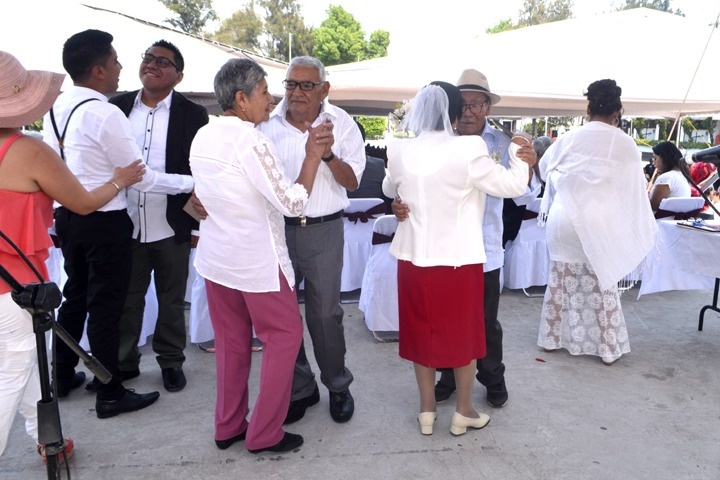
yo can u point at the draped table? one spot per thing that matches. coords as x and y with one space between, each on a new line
690 251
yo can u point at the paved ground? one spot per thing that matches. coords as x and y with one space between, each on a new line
653 415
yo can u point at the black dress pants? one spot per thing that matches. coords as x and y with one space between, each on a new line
97 252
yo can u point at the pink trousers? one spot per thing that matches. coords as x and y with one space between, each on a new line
275 316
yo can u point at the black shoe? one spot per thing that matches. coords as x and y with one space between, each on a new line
342 406
442 392
297 408
173 379
64 388
129 374
497 395
225 444
129 402
290 441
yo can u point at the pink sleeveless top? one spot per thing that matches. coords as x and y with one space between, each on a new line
25 219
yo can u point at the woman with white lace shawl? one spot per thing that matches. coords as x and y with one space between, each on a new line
599 228
244 259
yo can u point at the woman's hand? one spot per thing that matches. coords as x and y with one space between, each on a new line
124 177
198 206
400 209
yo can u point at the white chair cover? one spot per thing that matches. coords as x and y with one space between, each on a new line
199 325
681 204
527 260
358 240
378 296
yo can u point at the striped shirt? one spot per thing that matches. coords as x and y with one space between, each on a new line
327 196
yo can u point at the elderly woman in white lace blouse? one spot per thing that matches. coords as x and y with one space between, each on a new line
244 259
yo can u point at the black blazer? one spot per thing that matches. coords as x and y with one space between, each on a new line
186 118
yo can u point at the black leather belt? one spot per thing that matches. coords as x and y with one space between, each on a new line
303 221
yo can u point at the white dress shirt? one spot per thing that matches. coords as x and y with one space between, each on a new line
99 138
328 196
444 180
246 193
148 210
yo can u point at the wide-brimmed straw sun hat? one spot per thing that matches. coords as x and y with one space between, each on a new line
25 95
474 81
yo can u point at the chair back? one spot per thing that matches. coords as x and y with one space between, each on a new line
681 204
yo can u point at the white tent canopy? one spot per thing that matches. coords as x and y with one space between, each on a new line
543 70
36 39
538 71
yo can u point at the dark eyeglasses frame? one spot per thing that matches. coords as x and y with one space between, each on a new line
304 86
475 107
162 62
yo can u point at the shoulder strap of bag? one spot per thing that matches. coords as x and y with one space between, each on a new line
61 138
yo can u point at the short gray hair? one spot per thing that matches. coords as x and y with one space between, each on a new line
309 62
238 74
541 144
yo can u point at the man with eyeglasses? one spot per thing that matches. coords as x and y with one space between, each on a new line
478 101
164 123
315 240
94 138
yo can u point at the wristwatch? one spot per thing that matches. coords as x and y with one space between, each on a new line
328 158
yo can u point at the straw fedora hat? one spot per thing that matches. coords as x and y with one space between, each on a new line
25 95
472 80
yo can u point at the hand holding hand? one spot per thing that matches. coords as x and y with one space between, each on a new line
320 139
527 154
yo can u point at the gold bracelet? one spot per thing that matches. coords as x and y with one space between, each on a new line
114 185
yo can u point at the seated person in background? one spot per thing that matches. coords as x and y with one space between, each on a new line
372 178
540 145
704 175
670 181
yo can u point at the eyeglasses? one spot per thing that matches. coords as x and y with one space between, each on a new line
162 62
475 107
304 86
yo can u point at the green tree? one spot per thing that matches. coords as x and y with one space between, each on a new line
378 44
340 39
192 15
501 26
243 29
536 12
283 19
662 5
374 126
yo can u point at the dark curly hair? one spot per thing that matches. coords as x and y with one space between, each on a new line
603 97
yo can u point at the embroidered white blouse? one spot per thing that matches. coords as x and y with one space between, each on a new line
246 193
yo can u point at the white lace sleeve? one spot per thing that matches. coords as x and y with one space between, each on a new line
268 176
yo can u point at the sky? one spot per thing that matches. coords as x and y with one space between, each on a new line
413 23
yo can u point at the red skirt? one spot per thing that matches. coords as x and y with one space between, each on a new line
442 322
